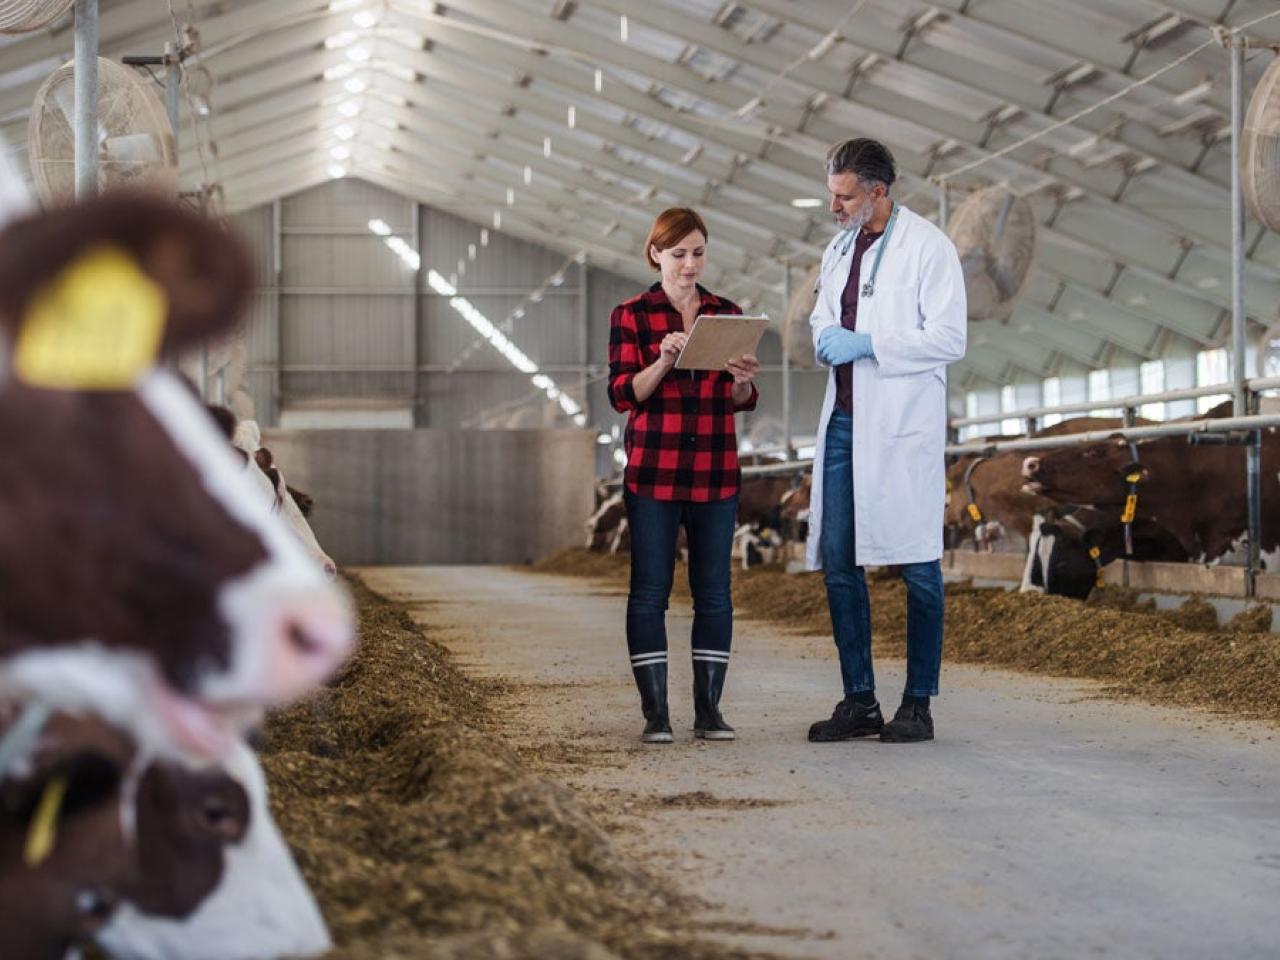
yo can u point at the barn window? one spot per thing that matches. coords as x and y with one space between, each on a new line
1212 367
1100 389
1009 403
1151 377
1051 394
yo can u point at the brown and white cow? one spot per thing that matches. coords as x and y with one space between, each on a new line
1196 493
1061 559
142 579
995 486
146 857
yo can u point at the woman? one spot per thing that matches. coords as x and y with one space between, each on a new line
682 467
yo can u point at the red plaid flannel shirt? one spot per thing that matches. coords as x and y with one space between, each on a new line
681 443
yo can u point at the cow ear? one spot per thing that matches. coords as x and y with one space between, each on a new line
200 274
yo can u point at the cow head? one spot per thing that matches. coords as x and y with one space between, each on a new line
1093 473
98 843
141 577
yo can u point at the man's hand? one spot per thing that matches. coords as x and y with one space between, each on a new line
836 345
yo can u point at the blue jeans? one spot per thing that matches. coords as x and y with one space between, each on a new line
654 526
847 583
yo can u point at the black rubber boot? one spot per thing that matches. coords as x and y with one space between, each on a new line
651 681
708 684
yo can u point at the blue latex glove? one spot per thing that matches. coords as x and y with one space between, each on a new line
836 345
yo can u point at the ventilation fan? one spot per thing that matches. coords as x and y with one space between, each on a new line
1260 150
994 231
796 333
23 16
136 148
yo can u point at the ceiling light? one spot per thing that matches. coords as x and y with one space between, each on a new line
337 6
398 70
497 219
599 80
573 117
350 108
365 19
471 251
528 174
337 171
339 40
806 202
356 85
338 71
340 153
484 237
511 197
344 131
623 27
358 54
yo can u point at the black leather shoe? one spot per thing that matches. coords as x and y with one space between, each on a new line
651 681
708 684
849 720
909 725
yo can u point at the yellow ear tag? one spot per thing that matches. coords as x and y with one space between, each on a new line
1133 478
975 513
1095 552
97 326
44 825
1130 508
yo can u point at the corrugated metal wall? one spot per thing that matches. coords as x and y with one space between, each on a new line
346 323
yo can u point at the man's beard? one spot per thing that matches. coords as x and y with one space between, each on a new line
858 219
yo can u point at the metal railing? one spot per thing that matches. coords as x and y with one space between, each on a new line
1256 385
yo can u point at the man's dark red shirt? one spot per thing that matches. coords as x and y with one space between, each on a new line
681 443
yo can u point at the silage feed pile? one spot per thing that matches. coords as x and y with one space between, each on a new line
1179 657
424 836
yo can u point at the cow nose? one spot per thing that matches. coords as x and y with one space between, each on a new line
330 569
1031 468
225 815
308 641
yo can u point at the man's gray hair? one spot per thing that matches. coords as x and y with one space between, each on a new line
869 160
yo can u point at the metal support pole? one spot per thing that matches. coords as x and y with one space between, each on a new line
415 313
786 364
584 336
86 93
172 87
277 274
1239 376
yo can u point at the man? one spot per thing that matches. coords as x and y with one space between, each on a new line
890 315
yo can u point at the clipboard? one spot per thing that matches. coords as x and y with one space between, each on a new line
717 338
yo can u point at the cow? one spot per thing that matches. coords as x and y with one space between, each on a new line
1071 545
268 476
993 486
602 526
144 857
1197 494
141 577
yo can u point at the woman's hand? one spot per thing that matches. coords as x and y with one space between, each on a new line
743 369
671 346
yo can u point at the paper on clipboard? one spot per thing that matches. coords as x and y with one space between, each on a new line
718 338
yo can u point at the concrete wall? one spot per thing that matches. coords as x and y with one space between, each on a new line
441 496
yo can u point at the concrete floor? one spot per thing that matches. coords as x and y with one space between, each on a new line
1043 822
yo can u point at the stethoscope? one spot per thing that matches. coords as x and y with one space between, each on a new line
869 288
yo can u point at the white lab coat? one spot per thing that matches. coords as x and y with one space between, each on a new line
917 322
